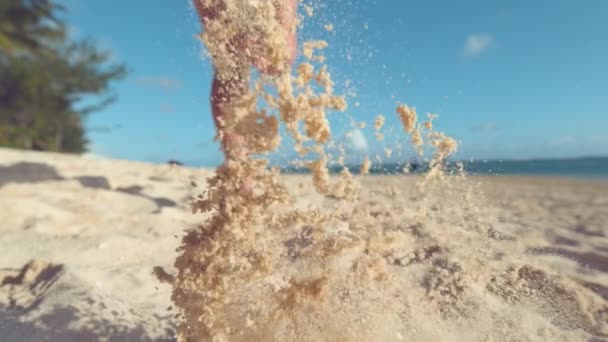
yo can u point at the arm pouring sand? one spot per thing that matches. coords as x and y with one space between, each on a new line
233 48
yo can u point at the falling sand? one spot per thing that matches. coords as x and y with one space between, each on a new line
265 266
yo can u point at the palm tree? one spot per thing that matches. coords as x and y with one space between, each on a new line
44 76
29 26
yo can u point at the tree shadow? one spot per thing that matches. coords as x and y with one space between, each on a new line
94 182
27 172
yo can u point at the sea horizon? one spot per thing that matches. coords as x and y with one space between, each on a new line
579 167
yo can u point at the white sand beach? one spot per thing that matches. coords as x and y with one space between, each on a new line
79 237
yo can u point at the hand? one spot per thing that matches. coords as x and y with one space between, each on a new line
233 145
287 12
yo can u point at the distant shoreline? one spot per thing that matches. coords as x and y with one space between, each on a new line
594 168
588 168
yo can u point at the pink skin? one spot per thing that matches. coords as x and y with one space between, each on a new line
219 93
232 143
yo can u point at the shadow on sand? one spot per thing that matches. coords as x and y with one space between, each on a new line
34 307
58 326
27 172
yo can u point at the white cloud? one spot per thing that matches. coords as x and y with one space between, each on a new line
358 141
476 44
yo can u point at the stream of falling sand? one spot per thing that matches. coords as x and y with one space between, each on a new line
263 267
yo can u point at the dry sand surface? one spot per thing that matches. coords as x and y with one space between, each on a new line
525 259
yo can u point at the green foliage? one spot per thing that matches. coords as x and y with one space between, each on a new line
44 77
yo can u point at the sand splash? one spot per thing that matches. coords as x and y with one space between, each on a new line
264 266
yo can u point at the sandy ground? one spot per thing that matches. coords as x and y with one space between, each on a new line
79 237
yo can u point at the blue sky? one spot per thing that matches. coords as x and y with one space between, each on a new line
509 79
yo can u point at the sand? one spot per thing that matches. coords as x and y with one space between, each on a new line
103 224
94 229
234 278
